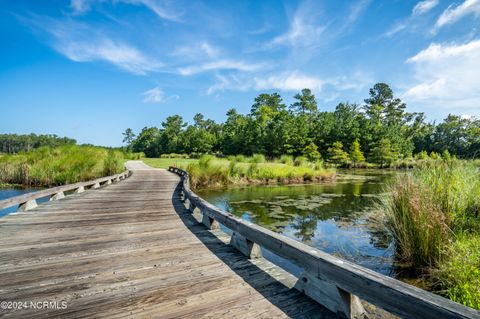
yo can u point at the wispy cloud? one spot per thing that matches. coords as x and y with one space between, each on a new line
448 75
157 95
221 65
291 81
167 10
83 43
419 9
303 31
198 50
121 55
456 12
424 7
310 27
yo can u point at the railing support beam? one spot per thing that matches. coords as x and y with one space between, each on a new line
209 222
79 190
330 296
245 246
31 204
57 196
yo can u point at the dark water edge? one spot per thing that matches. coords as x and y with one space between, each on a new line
7 192
341 218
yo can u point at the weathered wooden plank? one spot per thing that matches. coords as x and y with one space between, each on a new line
133 250
18 200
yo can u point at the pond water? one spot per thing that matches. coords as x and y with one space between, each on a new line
11 192
339 217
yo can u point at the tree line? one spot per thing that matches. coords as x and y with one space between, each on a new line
13 143
378 131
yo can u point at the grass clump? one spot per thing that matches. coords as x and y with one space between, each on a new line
300 160
433 214
258 158
47 166
286 159
211 171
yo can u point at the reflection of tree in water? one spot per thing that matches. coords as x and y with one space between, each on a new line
348 203
337 217
305 226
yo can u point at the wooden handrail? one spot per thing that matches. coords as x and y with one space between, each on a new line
335 283
28 201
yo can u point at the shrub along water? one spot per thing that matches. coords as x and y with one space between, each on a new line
211 171
434 216
47 166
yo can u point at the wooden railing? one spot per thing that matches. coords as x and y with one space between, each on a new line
333 282
29 201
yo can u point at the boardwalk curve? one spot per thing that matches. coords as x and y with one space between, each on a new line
131 249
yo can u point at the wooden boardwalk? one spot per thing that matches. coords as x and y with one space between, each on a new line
131 249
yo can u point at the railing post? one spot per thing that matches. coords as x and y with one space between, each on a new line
108 182
330 296
79 190
245 246
191 206
31 204
96 185
209 222
57 196
117 179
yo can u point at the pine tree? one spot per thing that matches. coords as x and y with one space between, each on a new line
337 155
356 154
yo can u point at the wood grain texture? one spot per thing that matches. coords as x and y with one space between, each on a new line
132 249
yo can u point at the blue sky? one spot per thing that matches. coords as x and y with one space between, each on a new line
88 69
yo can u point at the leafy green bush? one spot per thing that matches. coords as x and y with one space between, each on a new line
458 274
286 159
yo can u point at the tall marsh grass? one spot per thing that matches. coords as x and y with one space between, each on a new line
47 166
211 171
434 216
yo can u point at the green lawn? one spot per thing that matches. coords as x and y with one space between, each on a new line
166 162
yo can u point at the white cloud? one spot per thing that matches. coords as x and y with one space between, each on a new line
447 76
121 55
155 95
221 65
454 13
288 81
424 6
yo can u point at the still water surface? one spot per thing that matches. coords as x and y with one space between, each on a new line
339 217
